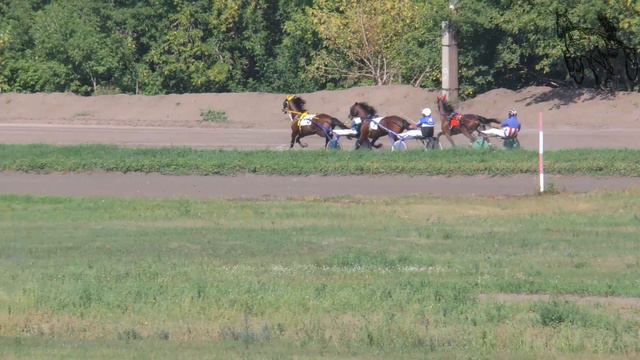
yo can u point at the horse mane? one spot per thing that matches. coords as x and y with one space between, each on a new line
368 108
448 108
299 103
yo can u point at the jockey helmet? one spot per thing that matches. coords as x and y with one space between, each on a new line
426 112
513 112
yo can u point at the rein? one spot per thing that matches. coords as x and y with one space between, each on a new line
289 112
387 129
369 118
327 132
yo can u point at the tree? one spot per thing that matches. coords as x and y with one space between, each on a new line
366 40
600 38
66 47
517 43
216 46
176 46
294 54
4 40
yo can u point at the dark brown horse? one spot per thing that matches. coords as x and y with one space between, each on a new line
388 125
321 124
452 123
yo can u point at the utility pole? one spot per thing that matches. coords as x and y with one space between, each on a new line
450 58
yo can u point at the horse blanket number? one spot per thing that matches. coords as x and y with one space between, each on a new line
306 120
374 123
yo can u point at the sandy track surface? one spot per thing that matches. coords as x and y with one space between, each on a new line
573 118
561 108
230 138
253 186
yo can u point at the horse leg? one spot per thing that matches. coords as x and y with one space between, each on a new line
298 141
447 133
448 136
363 139
363 143
467 134
373 143
294 137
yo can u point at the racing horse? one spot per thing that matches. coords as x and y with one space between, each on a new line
305 124
388 125
452 123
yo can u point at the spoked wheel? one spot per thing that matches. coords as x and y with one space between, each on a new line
511 144
431 144
399 145
481 143
334 144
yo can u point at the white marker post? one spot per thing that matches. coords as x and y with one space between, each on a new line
541 152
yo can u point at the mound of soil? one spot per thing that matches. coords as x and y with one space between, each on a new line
562 108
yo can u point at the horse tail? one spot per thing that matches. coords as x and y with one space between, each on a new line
486 121
335 122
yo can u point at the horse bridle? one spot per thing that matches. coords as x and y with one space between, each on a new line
286 108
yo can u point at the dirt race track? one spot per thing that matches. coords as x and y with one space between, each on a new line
573 119
253 186
274 139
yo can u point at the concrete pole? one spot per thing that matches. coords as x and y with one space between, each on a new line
449 62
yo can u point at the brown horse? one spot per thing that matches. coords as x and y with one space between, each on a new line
452 123
388 125
321 124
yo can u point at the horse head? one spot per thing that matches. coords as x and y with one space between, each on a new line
285 104
444 108
362 110
293 103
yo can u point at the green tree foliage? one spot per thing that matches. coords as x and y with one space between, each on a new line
177 46
4 40
377 41
515 43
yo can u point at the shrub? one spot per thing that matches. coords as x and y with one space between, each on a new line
211 115
129 334
554 313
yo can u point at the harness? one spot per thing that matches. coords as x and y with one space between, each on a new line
454 120
302 115
389 131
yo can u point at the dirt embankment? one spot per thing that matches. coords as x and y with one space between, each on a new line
562 108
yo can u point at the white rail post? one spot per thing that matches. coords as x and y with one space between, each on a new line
541 152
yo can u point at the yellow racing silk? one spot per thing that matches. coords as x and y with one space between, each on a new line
301 118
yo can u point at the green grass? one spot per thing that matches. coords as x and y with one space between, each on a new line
211 115
353 278
47 158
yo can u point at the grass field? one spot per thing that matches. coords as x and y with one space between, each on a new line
48 158
357 278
